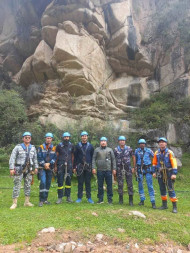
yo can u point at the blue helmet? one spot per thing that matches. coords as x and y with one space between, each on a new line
66 134
121 138
142 141
103 139
26 134
83 133
162 139
49 135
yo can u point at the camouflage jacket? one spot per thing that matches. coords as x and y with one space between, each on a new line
18 156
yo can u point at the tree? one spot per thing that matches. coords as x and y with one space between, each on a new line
12 117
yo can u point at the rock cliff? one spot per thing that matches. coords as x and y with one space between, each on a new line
94 58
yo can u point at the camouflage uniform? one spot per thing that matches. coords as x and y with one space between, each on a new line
17 160
124 171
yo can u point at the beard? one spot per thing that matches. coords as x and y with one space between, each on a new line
66 142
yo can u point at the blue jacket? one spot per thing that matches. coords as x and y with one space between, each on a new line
167 156
82 150
46 155
144 154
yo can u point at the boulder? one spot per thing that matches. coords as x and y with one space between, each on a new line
48 230
137 213
83 71
171 133
49 34
41 62
128 91
26 75
177 151
117 14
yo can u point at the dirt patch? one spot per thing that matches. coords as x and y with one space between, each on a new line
60 240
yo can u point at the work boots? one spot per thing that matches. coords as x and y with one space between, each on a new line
153 205
120 199
174 207
164 205
14 205
141 203
59 201
131 200
69 200
27 202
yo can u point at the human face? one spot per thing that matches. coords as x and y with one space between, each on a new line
162 145
142 145
66 138
103 143
27 139
122 143
48 140
84 138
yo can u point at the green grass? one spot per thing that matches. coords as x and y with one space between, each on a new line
23 224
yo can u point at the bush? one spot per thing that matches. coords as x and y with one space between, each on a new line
12 117
159 110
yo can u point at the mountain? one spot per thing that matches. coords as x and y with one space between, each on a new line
94 59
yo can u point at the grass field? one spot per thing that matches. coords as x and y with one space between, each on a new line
22 224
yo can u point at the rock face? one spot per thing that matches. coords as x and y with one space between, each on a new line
95 58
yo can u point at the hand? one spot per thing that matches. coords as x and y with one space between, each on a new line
36 171
74 171
114 172
154 175
12 172
173 177
93 171
47 166
133 170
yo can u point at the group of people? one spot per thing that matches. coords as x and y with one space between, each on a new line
66 159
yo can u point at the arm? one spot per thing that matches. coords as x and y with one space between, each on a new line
114 168
94 161
12 160
54 158
75 158
134 163
92 151
72 156
35 161
133 159
174 165
57 155
40 157
154 164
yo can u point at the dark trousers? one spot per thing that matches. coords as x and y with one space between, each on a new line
60 181
45 183
107 175
169 185
85 177
128 177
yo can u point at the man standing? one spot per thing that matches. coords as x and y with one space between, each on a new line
143 157
165 164
46 160
123 156
104 160
64 167
83 164
22 161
